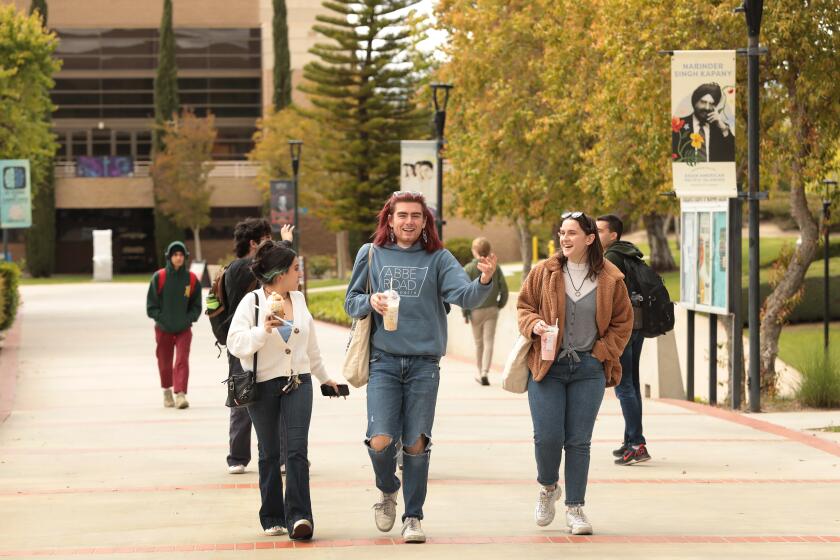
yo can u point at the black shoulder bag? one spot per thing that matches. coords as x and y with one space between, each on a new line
242 385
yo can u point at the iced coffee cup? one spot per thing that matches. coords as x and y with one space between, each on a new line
549 343
391 317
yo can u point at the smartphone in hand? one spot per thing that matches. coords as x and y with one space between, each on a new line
329 391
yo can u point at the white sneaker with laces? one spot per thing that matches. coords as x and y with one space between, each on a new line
577 522
236 469
545 510
275 531
385 511
412 532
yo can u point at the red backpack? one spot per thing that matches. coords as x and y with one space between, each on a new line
161 280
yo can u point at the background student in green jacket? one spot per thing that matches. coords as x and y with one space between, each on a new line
485 316
174 302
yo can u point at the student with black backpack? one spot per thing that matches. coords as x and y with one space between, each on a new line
622 253
233 284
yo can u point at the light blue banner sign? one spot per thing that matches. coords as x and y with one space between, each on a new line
15 194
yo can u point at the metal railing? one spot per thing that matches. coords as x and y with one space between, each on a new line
232 169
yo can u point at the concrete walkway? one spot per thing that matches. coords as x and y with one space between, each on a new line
92 464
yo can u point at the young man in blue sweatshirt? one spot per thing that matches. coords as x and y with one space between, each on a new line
407 256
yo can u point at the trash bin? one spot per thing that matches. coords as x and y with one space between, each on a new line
103 260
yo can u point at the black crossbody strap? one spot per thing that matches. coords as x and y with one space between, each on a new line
256 323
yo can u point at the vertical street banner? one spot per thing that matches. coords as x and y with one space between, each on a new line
282 204
703 123
704 249
15 194
418 169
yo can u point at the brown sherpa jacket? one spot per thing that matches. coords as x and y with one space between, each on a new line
543 297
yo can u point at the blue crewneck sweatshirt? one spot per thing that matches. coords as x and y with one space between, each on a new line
424 281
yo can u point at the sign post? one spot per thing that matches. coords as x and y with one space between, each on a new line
15 198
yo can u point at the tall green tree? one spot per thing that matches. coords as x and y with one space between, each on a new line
804 47
282 58
180 172
521 71
26 69
363 88
166 108
40 239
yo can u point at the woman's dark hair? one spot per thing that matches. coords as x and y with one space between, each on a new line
250 229
595 252
272 258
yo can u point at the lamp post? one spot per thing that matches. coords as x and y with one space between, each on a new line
295 147
828 191
440 97
753 10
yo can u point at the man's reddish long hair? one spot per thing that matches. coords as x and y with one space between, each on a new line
381 235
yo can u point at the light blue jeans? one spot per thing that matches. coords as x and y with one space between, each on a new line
401 398
564 406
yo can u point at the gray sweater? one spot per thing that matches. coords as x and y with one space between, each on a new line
424 281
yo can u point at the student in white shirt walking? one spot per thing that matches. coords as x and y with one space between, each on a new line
288 356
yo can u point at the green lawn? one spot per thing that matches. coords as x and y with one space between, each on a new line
325 282
83 279
798 342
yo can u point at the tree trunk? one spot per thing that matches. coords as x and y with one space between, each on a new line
776 306
197 242
343 260
661 258
523 227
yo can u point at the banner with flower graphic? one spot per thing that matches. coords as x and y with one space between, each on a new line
703 123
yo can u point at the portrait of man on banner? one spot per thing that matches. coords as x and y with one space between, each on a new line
703 90
706 134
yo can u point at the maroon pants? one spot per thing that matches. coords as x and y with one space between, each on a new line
175 345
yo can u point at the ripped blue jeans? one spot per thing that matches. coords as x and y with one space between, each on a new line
401 397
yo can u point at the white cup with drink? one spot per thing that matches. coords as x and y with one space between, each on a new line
391 317
549 342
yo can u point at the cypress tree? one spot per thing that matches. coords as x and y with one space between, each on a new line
363 88
282 58
166 106
40 239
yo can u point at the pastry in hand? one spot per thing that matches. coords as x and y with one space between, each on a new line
275 303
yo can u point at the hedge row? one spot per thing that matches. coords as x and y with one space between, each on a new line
9 296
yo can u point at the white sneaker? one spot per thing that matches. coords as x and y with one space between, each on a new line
385 511
181 400
275 531
236 469
577 522
412 532
544 512
168 400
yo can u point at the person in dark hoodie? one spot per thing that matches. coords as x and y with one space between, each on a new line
239 281
634 447
407 256
174 302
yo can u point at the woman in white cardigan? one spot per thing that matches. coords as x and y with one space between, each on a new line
287 357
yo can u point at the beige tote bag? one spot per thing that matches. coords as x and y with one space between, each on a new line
515 374
356 369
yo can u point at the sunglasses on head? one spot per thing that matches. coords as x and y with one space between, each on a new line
397 194
573 215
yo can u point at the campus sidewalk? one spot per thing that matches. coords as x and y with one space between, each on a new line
92 464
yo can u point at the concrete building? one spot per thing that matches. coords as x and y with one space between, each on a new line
104 95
